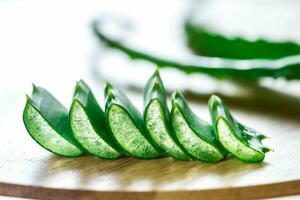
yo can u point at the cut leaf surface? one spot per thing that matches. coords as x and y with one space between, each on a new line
196 136
241 141
157 119
127 125
89 124
47 122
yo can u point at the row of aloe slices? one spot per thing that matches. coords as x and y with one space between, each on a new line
123 131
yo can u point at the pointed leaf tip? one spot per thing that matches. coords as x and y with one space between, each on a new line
177 93
82 84
81 81
176 96
77 84
156 72
214 98
267 149
27 97
110 94
108 90
262 137
33 86
108 85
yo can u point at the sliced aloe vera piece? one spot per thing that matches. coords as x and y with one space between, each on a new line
195 135
89 125
47 122
157 119
127 125
241 141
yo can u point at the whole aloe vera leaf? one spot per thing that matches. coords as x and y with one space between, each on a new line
89 124
210 43
195 135
127 125
241 141
47 122
288 67
157 119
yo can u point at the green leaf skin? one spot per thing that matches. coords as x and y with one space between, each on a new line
127 125
208 43
288 67
241 141
89 126
47 122
157 119
195 135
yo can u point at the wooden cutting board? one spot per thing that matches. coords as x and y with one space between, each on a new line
27 170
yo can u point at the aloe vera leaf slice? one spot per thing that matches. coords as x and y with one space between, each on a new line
127 125
195 135
47 122
157 119
89 126
241 141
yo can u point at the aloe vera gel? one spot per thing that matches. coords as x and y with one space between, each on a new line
196 136
88 124
127 126
157 119
46 120
239 140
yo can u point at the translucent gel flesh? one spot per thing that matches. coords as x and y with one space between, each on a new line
234 146
46 136
128 135
192 143
157 129
87 136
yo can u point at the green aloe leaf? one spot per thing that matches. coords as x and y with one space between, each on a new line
195 135
47 122
89 124
210 43
287 67
127 125
241 141
157 119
